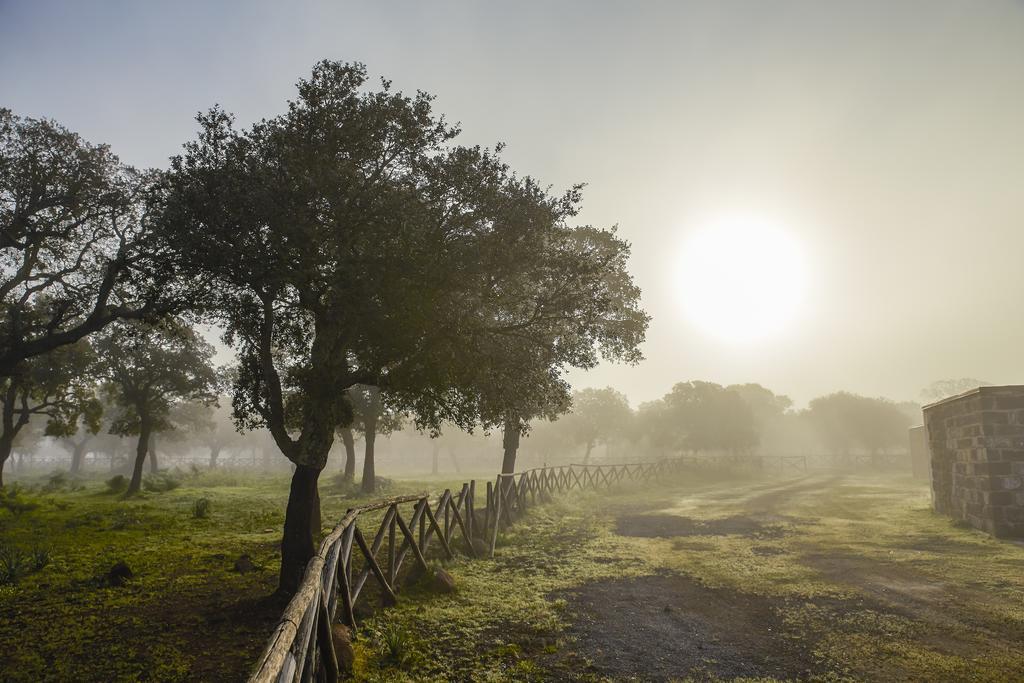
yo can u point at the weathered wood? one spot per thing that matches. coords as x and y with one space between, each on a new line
392 550
447 520
348 616
465 533
411 544
325 642
378 573
471 509
487 510
378 541
435 527
497 515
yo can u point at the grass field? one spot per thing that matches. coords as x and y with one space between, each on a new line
818 577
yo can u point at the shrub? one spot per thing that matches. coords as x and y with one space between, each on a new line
56 481
201 508
343 485
11 501
159 483
40 557
398 645
122 520
117 483
218 477
14 564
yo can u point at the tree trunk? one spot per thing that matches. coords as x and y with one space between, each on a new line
301 522
154 467
586 456
435 452
349 441
214 454
455 460
369 484
510 443
77 456
6 445
145 432
10 426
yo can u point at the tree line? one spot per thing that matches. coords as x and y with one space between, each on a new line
357 259
705 417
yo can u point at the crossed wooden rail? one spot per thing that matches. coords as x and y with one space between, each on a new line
301 647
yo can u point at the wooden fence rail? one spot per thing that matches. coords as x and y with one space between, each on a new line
301 646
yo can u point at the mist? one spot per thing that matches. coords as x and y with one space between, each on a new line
464 341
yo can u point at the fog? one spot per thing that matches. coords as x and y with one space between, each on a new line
885 137
511 341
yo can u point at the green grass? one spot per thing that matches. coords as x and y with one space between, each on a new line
504 623
185 615
935 599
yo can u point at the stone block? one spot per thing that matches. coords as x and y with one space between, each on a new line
976 445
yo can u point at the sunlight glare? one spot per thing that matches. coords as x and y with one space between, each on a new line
742 278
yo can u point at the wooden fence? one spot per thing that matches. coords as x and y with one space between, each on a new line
767 463
301 647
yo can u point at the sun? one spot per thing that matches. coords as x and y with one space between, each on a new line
742 278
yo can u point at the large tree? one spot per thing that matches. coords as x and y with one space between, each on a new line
148 370
76 248
55 387
351 243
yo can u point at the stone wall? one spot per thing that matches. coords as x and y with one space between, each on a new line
976 441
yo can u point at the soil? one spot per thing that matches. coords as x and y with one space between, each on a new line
670 627
671 526
954 619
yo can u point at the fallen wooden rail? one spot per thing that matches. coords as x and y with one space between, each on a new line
301 646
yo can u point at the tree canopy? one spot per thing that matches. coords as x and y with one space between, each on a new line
76 246
148 370
847 422
58 387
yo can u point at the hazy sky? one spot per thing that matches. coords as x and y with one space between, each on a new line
886 137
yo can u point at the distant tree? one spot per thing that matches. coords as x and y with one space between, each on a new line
348 441
764 403
147 371
549 441
75 241
371 416
655 423
79 444
217 431
711 417
193 423
55 387
773 415
456 442
848 422
944 388
597 416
